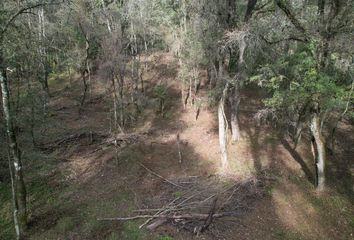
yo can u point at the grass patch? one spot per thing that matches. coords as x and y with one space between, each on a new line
132 231
281 234
7 230
113 236
65 224
164 238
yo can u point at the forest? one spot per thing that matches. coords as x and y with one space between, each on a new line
177 119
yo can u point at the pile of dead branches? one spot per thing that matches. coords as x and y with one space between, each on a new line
193 203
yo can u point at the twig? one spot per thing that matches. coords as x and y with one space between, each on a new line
164 210
159 176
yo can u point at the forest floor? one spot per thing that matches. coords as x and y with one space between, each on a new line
75 179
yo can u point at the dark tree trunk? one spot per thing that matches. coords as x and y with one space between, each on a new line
250 7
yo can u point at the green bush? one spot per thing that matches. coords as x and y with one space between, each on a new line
160 91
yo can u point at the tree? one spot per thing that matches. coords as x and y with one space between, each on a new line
15 163
306 82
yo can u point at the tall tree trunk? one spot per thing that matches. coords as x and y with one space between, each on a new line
235 127
250 7
83 99
32 118
121 99
117 124
43 55
320 153
235 97
223 127
19 190
85 68
115 104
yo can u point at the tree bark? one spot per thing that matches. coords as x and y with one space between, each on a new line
83 99
235 97
320 151
235 127
85 68
19 191
250 7
223 126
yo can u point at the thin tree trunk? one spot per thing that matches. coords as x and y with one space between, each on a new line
223 127
115 114
83 76
235 127
235 96
235 99
121 98
190 94
89 78
85 68
20 211
320 151
116 124
43 56
32 118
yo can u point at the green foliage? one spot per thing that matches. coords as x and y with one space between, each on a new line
160 91
297 80
113 236
352 222
133 232
65 224
177 194
165 238
280 234
6 222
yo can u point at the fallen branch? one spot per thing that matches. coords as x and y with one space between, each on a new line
156 224
209 219
162 211
159 176
72 138
191 216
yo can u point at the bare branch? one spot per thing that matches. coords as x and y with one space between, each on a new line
291 38
159 176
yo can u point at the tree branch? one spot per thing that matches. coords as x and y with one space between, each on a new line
23 10
283 6
281 40
250 8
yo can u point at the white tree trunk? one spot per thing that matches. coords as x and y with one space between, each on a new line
235 127
320 152
19 189
223 126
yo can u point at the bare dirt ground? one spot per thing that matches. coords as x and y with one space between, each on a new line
88 180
